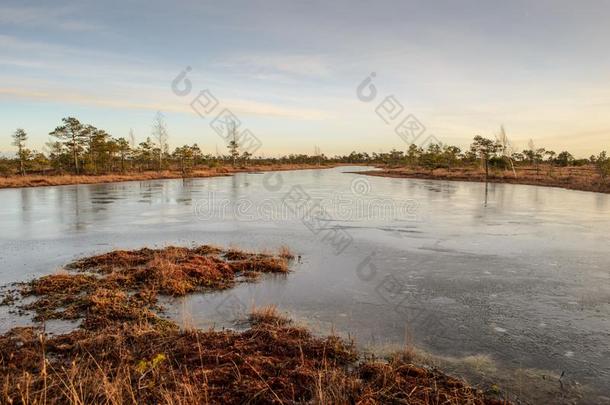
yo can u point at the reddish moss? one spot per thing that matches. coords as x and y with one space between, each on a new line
125 353
145 272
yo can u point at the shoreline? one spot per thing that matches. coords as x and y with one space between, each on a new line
575 179
31 181
475 176
124 342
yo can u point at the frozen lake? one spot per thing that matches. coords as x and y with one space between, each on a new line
518 273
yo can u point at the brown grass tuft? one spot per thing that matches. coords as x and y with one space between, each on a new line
267 315
286 253
123 285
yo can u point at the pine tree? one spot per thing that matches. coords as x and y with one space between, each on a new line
19 138
485 149
124 149
74 136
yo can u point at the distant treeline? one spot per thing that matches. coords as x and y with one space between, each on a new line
84 149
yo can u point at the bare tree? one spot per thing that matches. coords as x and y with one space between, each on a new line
132 139
506 148
160 133
317 154
233 145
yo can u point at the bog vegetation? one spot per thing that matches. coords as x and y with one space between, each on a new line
78 148
124 351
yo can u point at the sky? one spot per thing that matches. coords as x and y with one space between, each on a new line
290 71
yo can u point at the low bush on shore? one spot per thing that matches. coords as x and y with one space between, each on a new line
39 180
584 178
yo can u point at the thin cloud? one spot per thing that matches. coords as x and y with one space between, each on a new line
274 64
55 17
237 106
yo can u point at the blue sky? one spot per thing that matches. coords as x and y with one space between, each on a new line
289 70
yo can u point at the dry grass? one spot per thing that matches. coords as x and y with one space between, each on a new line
59 180
66 179
583 178
141 362
123 285
124 352
267 315
286 253
272 362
